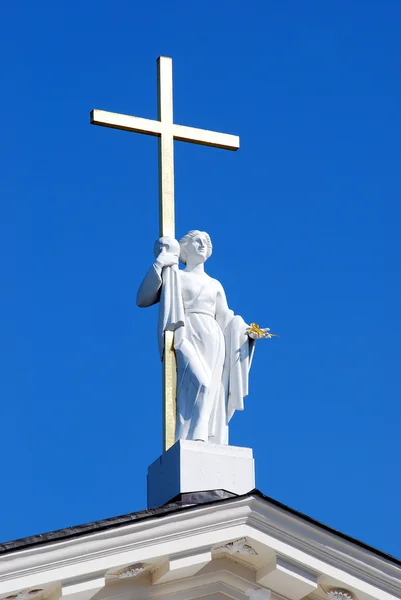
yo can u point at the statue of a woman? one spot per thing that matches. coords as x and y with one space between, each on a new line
213 347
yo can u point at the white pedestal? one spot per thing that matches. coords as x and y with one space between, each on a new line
197 467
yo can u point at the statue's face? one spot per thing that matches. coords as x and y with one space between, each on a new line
197 249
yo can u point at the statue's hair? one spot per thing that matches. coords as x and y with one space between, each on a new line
190 236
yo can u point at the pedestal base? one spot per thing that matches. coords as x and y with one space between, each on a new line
196 467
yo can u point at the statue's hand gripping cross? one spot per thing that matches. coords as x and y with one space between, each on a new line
165 129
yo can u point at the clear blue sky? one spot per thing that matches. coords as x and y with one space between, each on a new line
305 221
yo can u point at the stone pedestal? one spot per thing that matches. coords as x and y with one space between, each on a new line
199 467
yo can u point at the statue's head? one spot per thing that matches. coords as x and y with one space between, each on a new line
195 246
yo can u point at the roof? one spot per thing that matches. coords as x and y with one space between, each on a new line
189 503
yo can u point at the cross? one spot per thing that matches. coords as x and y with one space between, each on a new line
167 131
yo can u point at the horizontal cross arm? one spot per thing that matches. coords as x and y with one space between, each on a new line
150 127
205 137
126 122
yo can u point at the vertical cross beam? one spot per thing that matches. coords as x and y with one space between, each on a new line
166 145
167 227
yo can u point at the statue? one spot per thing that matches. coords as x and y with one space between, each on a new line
213 347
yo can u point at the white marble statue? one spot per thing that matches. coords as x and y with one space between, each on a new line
213 347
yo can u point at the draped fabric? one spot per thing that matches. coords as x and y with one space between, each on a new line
171 312
213 350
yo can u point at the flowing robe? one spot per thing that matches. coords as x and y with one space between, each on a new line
213 350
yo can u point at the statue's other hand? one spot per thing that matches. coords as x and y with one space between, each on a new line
256 333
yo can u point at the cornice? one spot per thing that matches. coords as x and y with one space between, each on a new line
141 535
200 527
311 540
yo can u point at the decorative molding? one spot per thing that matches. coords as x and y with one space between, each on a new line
130 571
339 594
25 594
241 546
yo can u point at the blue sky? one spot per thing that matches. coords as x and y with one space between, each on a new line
305 222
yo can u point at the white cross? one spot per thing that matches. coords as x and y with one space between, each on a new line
167 131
